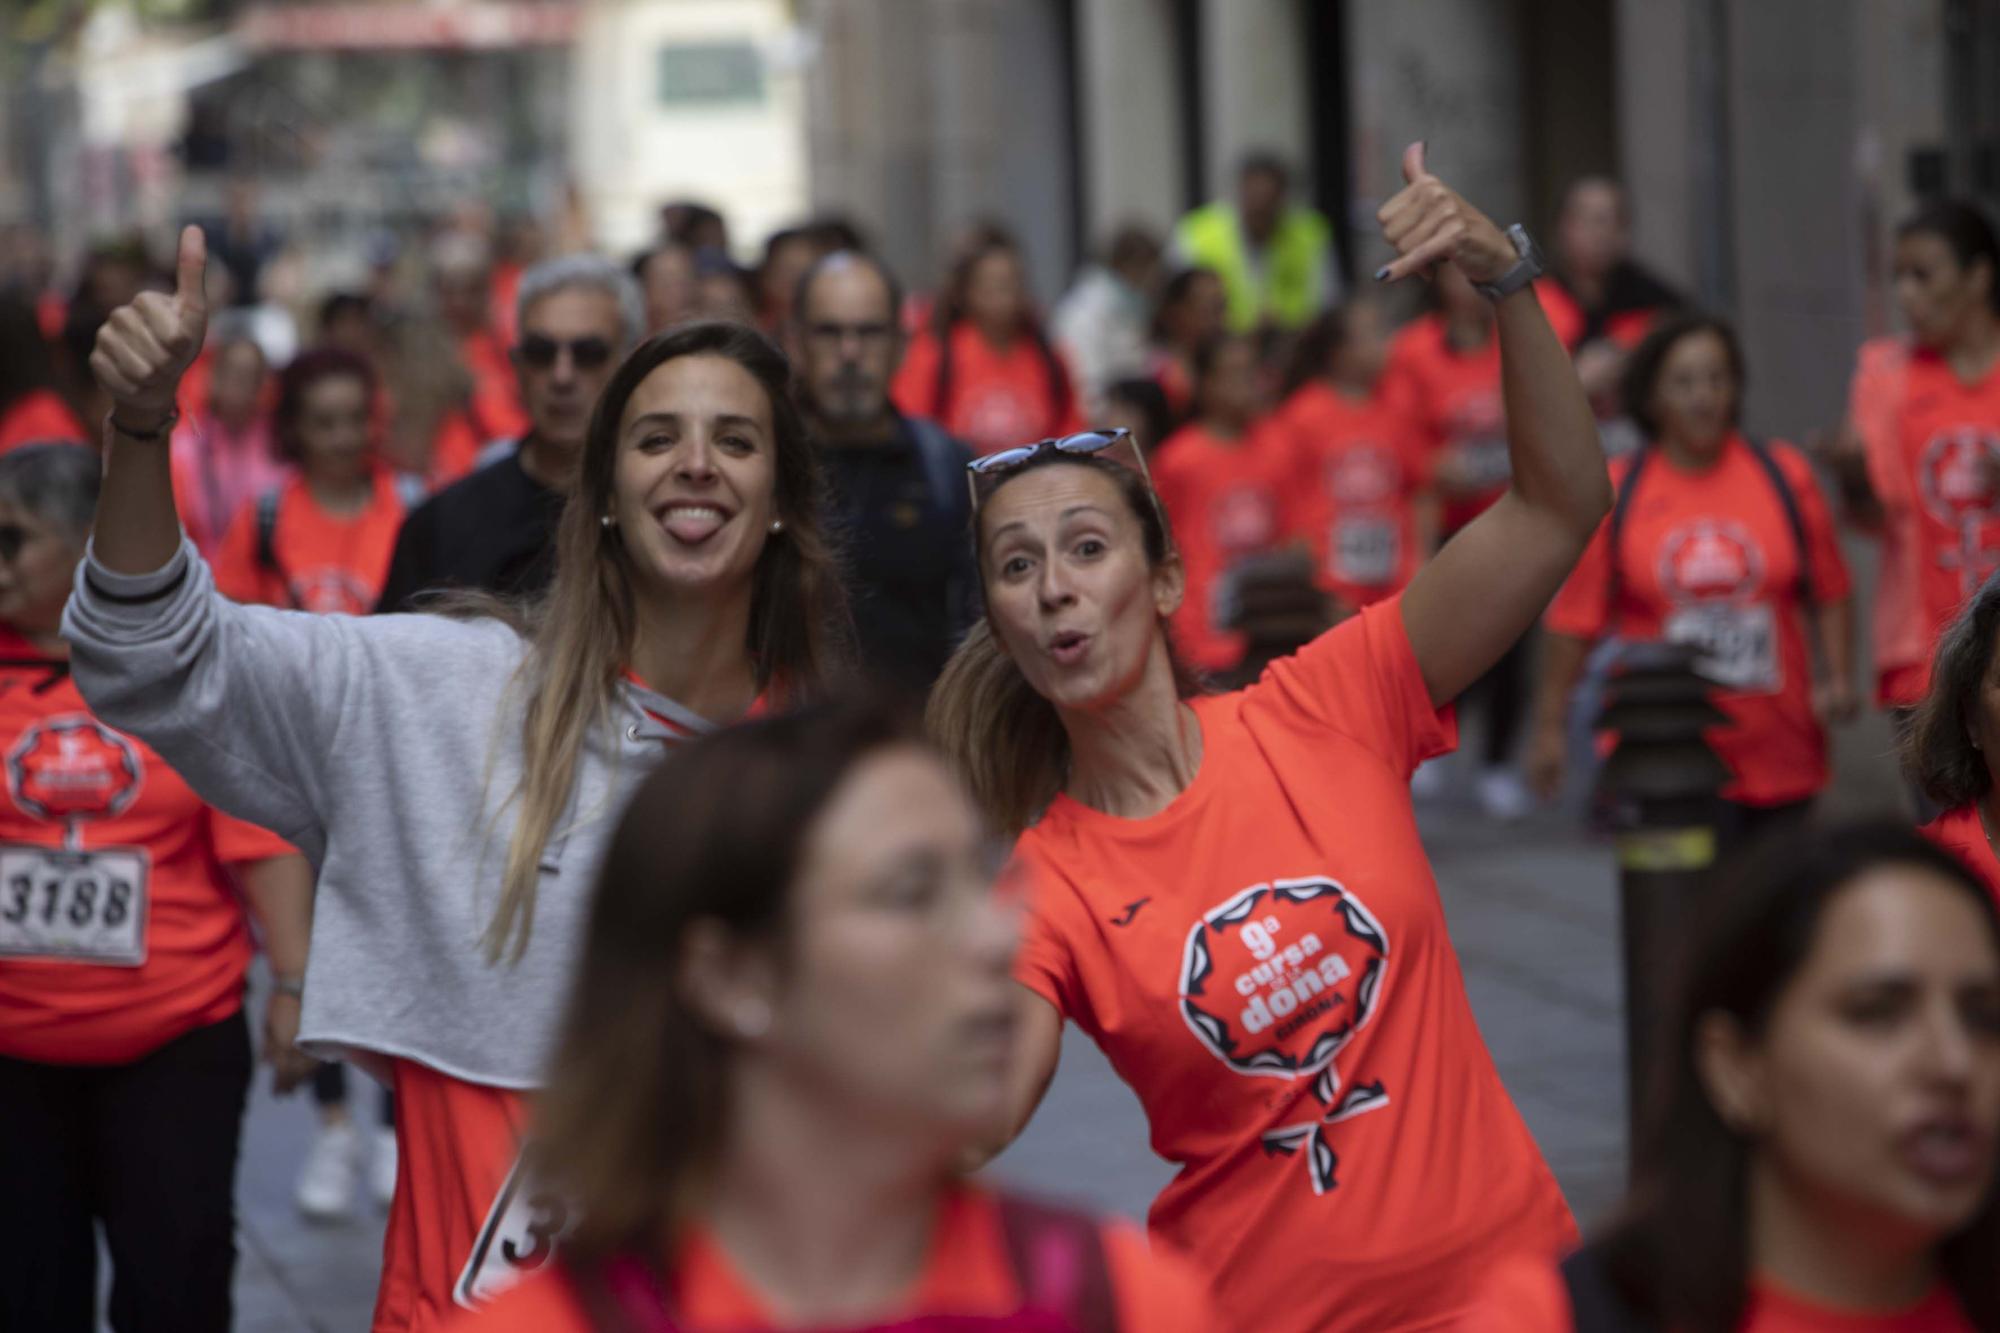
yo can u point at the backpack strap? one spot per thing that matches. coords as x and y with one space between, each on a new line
267 532
1595 1304
1615 524
1789 501
1058 1257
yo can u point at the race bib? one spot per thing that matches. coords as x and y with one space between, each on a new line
1485 462
1737 645
519 1236
1365 551
75 906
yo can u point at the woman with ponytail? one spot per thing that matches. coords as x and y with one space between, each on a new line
1231 896
454 779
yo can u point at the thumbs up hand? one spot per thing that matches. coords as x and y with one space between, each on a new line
145 347
1428 223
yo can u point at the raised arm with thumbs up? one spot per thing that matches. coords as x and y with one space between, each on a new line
142 352
1467 606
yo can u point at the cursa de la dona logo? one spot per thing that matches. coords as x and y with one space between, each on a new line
73 767
1275 983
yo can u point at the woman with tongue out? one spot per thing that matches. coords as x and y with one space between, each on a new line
454 778
1232 899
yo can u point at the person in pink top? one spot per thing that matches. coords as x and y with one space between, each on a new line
222 454
1819 1151
1955 730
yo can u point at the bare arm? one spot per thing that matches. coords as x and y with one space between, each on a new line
1835 699
142 352
1037 1048
1563 658
1482 592
280 890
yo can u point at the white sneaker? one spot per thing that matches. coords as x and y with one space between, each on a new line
325 1190
1503 796
1427 783
382 1166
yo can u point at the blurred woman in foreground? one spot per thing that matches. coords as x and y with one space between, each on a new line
1821 1155
764 1132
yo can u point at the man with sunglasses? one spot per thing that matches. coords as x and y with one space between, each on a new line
494 529
900 506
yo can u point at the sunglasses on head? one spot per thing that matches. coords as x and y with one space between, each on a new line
1117 446
541 352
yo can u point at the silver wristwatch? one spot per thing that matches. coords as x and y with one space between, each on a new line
1526 271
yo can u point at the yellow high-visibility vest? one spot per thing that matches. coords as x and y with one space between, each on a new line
1295 260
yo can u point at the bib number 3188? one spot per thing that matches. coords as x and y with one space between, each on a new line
74 906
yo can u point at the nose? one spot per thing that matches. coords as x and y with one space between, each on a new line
993 930
1053 587
1949 1051
563 372
695 460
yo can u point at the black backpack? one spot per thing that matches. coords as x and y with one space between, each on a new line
1765 460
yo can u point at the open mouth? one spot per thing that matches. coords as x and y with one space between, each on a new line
1068 647
692 524
1946 1150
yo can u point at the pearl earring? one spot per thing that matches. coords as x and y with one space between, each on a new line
777 525
607 522
753 1020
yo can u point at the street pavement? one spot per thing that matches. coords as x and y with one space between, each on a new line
1533 913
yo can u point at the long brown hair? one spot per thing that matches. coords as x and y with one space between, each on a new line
1006 741
637 1100
1938 752
582 628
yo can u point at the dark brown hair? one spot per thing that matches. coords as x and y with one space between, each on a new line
1680 1254
1938 753
297 380
1649 358
1962 226
1006 741
583 627
636 1108
988 241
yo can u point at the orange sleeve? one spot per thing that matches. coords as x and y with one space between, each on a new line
1155 1290
1520 1295
1044 963
1830 578
235 565
1361 679
916 378
542 1303
237 842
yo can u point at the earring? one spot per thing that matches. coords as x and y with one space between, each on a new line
752 1021
777 525
607 522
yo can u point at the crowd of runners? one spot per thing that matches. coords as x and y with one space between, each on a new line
695 735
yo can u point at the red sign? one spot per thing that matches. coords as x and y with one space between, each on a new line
355 27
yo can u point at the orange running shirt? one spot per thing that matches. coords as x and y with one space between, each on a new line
1961 833
1359 468
997 399
967 1273
1934 474
1709 558
1226 502
1266 964
39 417
462 1227
325 563
119 927
1527 1295
1460 417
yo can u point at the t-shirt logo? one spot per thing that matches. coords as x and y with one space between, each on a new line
1275 983
1709 560
1364 475
1244 519
331 590
1955 476
72 767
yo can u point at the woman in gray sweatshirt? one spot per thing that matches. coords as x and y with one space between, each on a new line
453 778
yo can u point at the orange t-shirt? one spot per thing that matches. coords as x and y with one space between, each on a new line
119 927
496 408
1226 502
326 563
462 1227
1932 475
1460 415
1526 1295
1709 558
967 1273
40 416
1359 469
1961 833
997 399
1266 964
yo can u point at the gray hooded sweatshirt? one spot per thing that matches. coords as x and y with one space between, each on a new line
386 749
